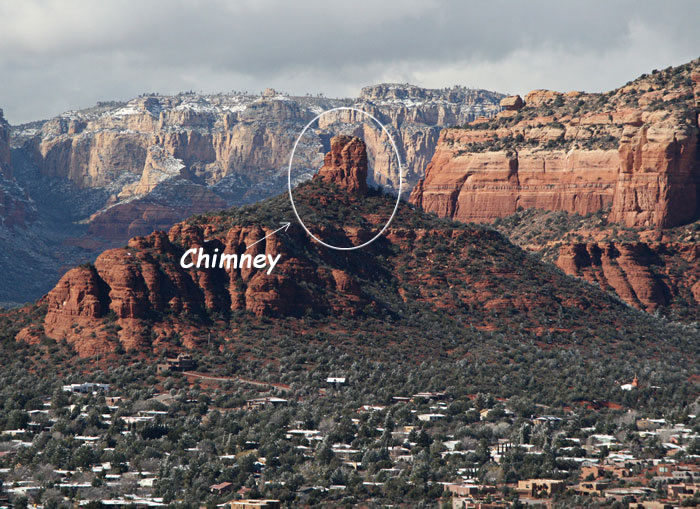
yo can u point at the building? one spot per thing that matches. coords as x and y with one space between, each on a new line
651 504
336 380
85 388
470 503
429 395
253 404
541 488
471 490
430 417
630 386
221 488
633 493
183 362
254 504
592 488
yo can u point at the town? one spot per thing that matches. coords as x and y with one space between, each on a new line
245 443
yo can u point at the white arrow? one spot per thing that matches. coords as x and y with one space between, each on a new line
284 227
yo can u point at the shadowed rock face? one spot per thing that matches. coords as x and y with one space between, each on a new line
15 209
346 164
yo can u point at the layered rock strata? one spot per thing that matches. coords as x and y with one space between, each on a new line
634 150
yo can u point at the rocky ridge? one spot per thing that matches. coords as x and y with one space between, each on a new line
139 297
656 271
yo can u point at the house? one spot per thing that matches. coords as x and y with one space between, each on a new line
471 490
429 395
85 388
470 503
682 491
370 408
256 403
221 488
592 488
430 417
304 433
649 424
651 504
630 386
183 362
633 493
254 504
344 451
595 472
541 488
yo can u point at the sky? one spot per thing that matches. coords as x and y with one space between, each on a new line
62 55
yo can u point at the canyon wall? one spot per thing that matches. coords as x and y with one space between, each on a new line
631 156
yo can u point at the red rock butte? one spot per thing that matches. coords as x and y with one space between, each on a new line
346 164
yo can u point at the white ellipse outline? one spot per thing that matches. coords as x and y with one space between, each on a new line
289 179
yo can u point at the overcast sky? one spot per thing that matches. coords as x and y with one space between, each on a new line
60 55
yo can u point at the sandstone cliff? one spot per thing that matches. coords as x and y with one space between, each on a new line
634 149
651 270
630 156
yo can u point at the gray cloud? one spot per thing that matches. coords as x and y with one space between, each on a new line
58 55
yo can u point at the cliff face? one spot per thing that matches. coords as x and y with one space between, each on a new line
634 149
630 156
647 275
15 207
238 145
91 179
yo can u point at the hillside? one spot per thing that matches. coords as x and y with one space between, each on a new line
628 159
656 271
